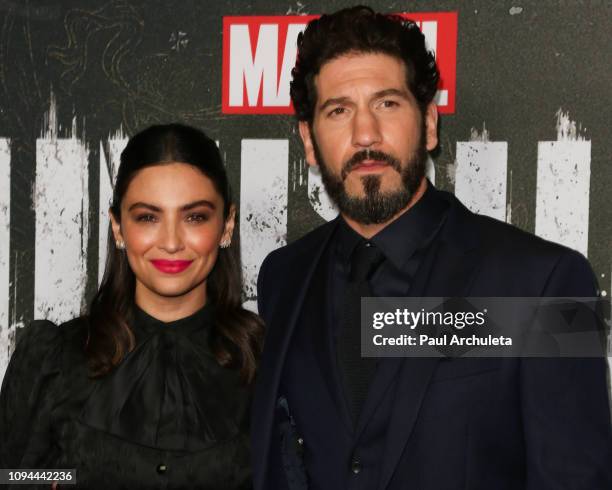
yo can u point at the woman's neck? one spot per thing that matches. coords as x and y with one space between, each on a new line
170 308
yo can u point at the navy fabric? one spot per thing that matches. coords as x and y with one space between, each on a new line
434 424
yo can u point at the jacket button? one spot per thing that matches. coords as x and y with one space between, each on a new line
355 466
161 468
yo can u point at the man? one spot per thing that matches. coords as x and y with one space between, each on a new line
323 417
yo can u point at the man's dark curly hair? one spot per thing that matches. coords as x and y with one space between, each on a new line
361 30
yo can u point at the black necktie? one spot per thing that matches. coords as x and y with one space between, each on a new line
357 371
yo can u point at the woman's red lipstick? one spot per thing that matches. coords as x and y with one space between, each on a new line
171 266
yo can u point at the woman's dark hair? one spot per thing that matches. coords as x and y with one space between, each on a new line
361 30
237 334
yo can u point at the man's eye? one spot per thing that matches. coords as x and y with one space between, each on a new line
146 218
389 103
337 111
197 218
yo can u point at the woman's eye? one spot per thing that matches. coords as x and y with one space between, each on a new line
146 218
197 218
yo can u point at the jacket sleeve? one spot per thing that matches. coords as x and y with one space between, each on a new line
261 286
27 387
273 475
568 435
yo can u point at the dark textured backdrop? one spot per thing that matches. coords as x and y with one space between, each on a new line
104 69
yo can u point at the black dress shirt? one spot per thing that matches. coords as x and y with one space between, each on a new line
402 243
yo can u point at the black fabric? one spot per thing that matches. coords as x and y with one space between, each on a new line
312 388
402 242
167 417
431 423
357 371
311 384
399 253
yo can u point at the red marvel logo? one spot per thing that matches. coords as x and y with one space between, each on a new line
259 53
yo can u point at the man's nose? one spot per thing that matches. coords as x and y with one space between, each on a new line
366 129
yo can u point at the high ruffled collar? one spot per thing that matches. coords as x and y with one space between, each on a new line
147 324
169 392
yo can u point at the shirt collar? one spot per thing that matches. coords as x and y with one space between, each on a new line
399 240
149 324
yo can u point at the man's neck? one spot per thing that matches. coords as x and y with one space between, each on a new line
368 231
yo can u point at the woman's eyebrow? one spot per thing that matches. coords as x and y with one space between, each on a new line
195 204
185 207
145 205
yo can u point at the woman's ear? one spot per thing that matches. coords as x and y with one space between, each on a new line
228 229
116 226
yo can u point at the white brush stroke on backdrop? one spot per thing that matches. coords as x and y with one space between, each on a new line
6 330
481 174
563 184
264 187
61 205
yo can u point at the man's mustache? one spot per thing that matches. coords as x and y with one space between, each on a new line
363 155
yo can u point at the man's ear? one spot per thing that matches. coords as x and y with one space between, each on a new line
306 135
116 226
431 126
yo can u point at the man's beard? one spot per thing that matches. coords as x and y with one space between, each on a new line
374 207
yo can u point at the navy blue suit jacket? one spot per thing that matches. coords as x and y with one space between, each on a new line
511 424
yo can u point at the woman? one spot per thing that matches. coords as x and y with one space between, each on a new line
151 388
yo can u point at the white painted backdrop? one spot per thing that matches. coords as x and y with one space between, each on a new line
480 178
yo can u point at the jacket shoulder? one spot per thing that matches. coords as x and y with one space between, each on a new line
504 238
518 254
511 243
302 249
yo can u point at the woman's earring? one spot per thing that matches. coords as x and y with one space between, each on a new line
226 243
120 244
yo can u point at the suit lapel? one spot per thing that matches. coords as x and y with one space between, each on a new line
448 270
282 321
323 343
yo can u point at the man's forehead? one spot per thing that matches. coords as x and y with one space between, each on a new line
360 70
358 59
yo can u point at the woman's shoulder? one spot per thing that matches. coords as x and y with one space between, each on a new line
35 340
44 350
47 331
42 343
33 381
75 331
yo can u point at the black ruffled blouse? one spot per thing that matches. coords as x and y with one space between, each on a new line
168 417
